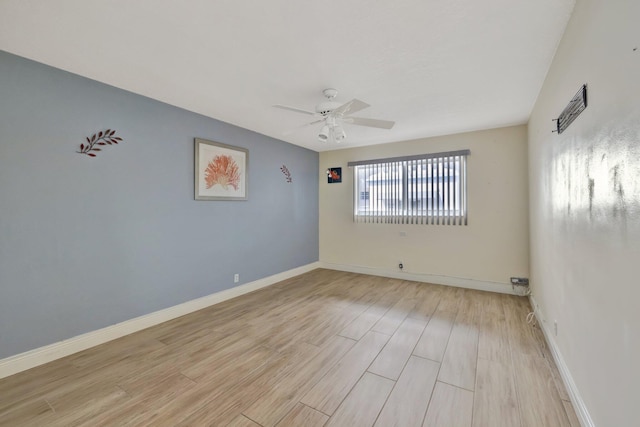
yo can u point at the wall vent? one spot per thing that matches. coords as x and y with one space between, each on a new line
576 106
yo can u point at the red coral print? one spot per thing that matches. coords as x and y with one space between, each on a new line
222 170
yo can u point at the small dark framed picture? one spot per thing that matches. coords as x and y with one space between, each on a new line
334 175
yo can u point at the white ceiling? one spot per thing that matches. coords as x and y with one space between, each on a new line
434 66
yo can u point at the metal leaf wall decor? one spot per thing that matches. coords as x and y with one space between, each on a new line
286 173
99 139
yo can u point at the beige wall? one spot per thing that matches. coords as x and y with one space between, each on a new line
585 208
492 248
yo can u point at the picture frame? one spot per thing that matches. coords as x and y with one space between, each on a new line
334 175
221 171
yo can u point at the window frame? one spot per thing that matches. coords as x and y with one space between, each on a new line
409 198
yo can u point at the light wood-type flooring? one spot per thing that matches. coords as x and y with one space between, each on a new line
326 348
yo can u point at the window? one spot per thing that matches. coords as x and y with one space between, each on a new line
423 189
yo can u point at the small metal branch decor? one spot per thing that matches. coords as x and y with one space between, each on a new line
286 173
99 139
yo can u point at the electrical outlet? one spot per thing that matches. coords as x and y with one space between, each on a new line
555 327
236 278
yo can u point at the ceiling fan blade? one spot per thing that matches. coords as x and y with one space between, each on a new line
297 110
374 123
350 107
295 129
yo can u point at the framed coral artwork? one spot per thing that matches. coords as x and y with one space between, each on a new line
221 171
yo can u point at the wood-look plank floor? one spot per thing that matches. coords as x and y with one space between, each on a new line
325 348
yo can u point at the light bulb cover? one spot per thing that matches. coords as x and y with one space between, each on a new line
324 133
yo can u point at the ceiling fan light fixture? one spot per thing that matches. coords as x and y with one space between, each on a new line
324 133
334 114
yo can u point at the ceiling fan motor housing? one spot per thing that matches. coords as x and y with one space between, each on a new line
327 107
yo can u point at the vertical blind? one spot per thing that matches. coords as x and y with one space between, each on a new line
422 189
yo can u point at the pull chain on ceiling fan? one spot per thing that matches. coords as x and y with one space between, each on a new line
334 115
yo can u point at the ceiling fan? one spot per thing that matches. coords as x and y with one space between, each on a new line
334 115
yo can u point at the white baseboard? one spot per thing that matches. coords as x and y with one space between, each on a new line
39 356
460 282
572 389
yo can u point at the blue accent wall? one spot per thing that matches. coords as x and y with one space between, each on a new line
89 242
